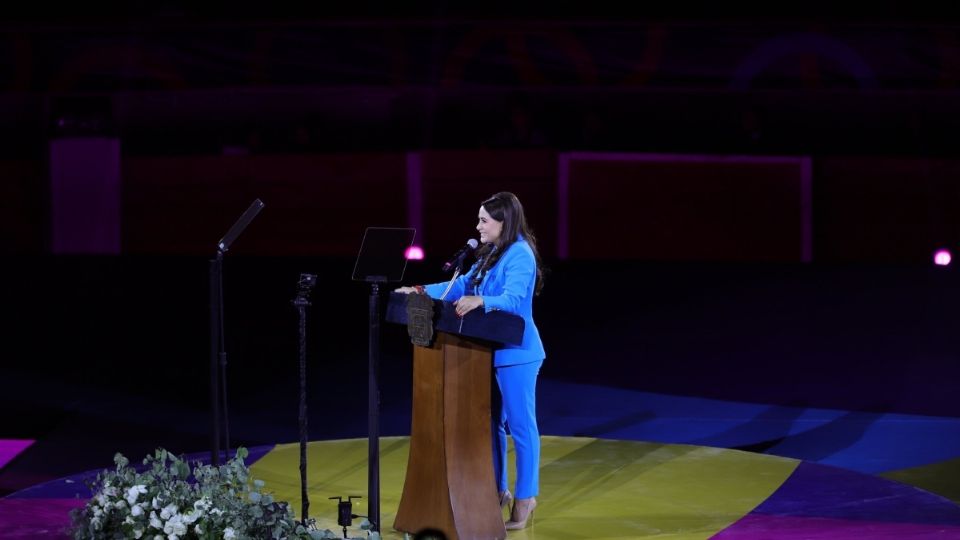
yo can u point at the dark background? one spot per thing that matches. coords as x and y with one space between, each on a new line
682 278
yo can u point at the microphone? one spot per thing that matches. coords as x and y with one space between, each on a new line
457 260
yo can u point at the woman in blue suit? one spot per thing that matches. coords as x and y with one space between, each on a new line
506 276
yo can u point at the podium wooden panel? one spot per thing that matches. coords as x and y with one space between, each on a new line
450 484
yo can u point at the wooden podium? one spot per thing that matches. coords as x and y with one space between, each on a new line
450 484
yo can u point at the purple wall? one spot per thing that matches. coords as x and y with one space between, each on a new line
85 190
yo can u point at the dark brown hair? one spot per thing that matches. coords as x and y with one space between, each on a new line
505 207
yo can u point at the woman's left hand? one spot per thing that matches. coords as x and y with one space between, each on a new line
466 304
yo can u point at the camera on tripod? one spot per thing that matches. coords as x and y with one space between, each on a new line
304 286
307 282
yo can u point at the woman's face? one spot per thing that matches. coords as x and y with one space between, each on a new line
488 227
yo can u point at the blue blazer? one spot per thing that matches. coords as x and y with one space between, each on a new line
508 286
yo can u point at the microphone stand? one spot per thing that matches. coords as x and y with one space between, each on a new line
218 359
218 352
456 274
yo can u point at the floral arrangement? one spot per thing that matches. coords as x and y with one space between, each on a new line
169 501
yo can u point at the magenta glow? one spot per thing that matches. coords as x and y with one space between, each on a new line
942 257
414 253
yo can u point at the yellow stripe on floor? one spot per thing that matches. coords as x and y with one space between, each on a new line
589 488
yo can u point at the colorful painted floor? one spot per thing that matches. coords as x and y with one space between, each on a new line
619 464
597 488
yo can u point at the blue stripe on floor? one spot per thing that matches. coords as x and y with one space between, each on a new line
863 442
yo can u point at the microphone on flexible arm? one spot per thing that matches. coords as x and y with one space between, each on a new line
457 260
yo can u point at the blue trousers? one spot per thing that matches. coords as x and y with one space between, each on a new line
517 412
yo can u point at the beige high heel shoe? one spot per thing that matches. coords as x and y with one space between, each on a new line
505 498
522 512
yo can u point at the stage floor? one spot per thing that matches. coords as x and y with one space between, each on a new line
594 488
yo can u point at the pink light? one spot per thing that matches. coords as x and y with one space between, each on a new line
414 253
942 257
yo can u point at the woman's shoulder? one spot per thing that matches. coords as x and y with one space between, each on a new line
520 248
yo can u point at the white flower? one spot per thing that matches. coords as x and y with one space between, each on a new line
168 510
134 492
109 490
175 526
202 504
119 505
216 511
229 534
136 510
156 503
191 516
95 523
198 530
102 500
155 521
137 533
128 520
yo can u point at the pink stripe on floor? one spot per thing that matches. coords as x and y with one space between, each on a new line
10 448
36 518
762 527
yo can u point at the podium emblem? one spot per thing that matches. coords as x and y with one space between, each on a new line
420 319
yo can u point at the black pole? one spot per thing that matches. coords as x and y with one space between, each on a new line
218 351
373 408
302 304
306 284
216 275
222 356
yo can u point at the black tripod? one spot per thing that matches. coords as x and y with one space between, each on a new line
218 352
301 302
